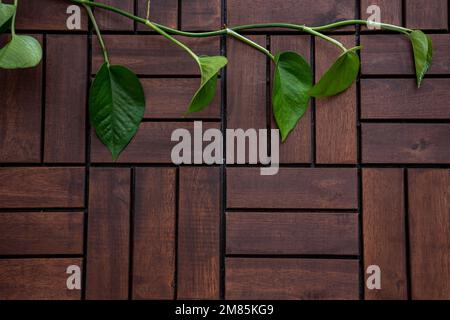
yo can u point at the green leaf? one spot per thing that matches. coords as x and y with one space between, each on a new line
209 67
7 11
292 80
20 52
339 77
116 106
423 53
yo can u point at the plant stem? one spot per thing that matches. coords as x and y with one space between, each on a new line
13 20
324 37
250 43
97 31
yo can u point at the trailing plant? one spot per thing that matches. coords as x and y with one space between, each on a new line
117 101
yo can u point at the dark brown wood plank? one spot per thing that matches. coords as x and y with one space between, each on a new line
65 102
336 132
161 11
154 234
154 55
37 279
152 143
198 234
405 143
201 15
291 279
41 187
292 188
170 99
429 225
20 114
427 14
391 10
41 233
297 148
292 233
400 99
108 20
108 234
384 231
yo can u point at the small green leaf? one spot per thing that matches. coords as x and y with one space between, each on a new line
116 106
423 53
209 67
7 11
20 52
292 80
339 77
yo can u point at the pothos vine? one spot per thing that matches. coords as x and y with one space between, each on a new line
117 100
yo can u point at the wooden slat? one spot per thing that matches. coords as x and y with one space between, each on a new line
297 148
161 11
391 10
292 188
20 114
41 187
291 279
429 225
41 233
384 231
406 143
201 15
427 14
198 234
65 104
37 279
108 20
400 99
392 54
152 143
108 234
336 134
154 55
292 233
170 98
154 234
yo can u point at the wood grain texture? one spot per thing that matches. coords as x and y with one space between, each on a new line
292 233
108 20
170 99
152 143
427 14
154 234
20 113
37 279
384 232
297 148
198 234
201 15
336 133
65 103
429 225
108 234
154 55
161 11
41 187
391 10
400 99
292 188
291 279
405 143
392 55
41 233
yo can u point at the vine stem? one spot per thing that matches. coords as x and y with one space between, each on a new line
13 20
97 31
250 43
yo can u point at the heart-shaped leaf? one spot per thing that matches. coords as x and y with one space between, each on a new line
423 53
339 77
293 79
20 52
209 67
116 106
7 11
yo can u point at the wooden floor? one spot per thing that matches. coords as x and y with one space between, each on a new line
365 178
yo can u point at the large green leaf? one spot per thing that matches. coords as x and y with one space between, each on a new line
292 80
7 11
116 106
209 67
339 77
423 53
20 52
